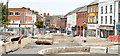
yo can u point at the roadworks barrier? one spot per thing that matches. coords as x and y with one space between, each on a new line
114 49
9 46
98 50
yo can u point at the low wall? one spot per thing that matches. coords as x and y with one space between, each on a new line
9 46
25 41
64 49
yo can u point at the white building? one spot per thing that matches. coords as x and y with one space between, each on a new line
108 12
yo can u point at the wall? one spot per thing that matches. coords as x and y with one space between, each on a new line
69 21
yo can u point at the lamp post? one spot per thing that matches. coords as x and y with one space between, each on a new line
114 27
33 27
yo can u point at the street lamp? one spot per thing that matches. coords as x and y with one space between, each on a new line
114 27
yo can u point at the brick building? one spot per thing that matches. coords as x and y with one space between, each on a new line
93 28
81 17
22 18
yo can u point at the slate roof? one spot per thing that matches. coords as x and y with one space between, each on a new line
94 2
74 11
83 9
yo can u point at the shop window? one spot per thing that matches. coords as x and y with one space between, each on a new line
111 32
118 32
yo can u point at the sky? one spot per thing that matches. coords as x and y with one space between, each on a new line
54 7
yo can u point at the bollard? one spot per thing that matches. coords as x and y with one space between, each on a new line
3 49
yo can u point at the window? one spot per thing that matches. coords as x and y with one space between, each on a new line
17 21
96 8
106 9
11 13
101 19
94 19
88 10
91 9
91 19
110 19
101 10
105 19
88 19
110 8
17 13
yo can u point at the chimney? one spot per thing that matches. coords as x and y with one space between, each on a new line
23 8
28 8
44 14
48 14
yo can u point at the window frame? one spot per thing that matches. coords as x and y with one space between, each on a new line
111 20
10 12
111 8
102 10
106 20
106 9
15 13
101 19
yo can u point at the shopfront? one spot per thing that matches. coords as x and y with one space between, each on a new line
105 32
92 30
118 29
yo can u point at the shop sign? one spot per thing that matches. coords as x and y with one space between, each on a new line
92 14
117 26
94 26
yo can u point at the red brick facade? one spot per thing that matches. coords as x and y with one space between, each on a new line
81 17
20 17
93 11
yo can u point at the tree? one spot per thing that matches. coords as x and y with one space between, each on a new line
39 24
4 13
